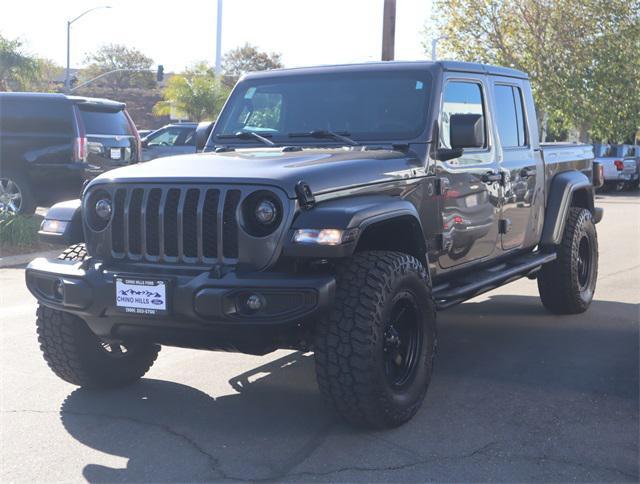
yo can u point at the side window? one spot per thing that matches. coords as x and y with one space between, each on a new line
510 116
460 98
165 137
23 115
190 139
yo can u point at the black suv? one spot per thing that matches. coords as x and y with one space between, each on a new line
51 143
338 209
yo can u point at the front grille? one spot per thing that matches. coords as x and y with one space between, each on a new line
175 224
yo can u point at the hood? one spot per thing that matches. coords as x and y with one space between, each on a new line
324 170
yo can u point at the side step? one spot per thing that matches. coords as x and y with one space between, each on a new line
472 284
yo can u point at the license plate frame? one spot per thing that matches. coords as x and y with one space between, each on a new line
141 295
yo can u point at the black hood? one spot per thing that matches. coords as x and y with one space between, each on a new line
324 170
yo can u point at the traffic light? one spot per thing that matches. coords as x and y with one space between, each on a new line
160 73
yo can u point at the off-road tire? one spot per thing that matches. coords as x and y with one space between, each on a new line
559 281
349 352
77 356
76 252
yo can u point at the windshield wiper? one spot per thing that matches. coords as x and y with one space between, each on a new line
323 133
248 135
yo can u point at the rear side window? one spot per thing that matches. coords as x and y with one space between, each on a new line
105 122
24 115
510 116
460 98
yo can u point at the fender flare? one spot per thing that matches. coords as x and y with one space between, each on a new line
71 213
344 213
561 192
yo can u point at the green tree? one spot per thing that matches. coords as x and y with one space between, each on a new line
196 93
46 73
17 68
248 58
115 56
580 54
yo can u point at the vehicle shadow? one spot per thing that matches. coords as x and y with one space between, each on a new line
173 432
513 339
505 366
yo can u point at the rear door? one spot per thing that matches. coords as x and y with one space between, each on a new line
111 137
471 201
518 160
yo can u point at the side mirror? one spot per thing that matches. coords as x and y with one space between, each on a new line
203 130
466 131
144 142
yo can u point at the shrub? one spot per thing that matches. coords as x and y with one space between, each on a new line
19 230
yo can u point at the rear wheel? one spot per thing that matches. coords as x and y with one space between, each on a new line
374 353
567 284
77 356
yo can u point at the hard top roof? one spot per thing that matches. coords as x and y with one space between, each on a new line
449 66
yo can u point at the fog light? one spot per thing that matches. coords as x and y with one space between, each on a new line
58 289
255 302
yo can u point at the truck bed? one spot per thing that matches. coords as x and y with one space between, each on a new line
559 157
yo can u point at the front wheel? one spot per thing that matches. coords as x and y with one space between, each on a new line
77 356
374 353
567 284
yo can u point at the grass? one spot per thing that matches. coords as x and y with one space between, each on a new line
18 232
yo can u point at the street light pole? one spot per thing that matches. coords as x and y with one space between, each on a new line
67 83
219 39
434 47
67 78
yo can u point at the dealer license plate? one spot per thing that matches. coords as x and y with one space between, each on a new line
141 296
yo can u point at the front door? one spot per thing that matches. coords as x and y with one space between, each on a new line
520 163
471 198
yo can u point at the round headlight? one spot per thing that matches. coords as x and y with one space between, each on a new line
266 212
98 209
262 213
104 208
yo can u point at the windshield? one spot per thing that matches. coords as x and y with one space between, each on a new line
365 106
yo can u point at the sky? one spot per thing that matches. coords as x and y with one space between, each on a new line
180 33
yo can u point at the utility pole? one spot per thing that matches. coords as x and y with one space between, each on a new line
388 30
219 40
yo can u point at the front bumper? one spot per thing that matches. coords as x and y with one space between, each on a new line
204 307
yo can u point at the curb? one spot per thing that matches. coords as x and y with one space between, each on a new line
20 259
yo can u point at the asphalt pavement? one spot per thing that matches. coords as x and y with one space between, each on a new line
517 395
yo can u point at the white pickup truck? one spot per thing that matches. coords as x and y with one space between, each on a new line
620 166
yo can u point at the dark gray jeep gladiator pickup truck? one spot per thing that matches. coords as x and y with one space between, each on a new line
334 210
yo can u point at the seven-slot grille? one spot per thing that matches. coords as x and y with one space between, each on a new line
175 224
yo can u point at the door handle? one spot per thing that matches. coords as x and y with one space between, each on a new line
491 177
526 173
